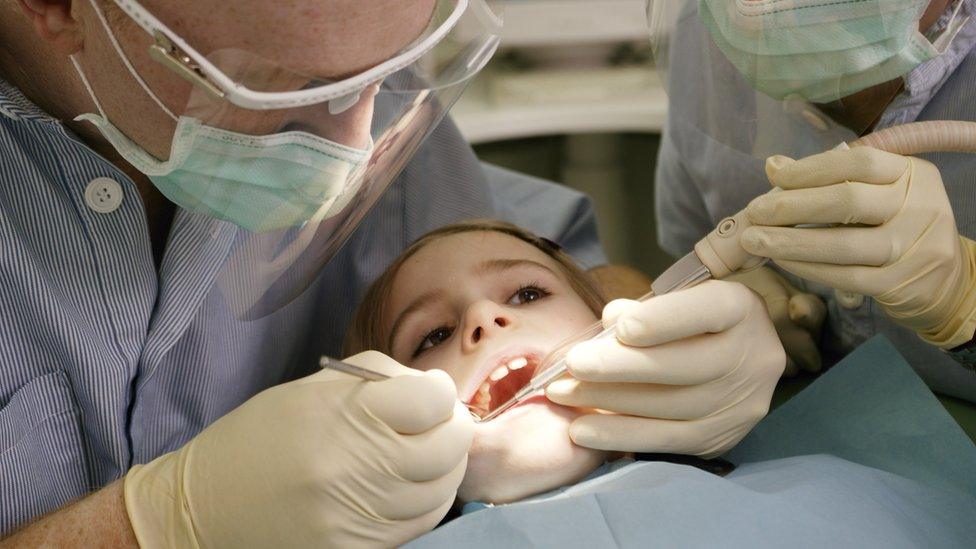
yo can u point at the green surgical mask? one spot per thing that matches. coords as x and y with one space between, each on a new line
261 183
820 50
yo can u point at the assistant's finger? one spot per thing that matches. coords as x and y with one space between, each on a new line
617 307
641 399
844 203
853 278
707 437
710 307
871 246
801 348
863 164
807 311
691 361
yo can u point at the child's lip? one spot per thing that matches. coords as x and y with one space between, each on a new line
536 398
493 362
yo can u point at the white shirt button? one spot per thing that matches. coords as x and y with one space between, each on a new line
104 195
848 300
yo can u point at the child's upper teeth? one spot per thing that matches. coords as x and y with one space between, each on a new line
499 373
517 363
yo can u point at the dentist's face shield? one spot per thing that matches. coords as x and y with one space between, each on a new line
295 157
762 64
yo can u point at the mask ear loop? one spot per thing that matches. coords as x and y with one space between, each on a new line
128 65
88 88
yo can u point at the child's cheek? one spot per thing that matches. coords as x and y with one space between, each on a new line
524 456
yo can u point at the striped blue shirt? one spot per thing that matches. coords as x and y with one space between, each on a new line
106 362
703 177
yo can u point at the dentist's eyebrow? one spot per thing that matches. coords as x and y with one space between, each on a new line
418 303
497 265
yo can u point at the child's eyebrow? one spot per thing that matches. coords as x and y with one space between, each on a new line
485 267
420 301
495 265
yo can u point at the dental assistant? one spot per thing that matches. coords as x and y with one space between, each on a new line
760 90
176 179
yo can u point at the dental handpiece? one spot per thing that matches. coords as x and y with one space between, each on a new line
720 253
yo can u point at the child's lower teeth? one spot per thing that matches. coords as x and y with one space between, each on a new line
482 399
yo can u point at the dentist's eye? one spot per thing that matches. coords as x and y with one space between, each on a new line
528 294
433 339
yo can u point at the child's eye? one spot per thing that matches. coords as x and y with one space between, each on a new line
527 294
433 339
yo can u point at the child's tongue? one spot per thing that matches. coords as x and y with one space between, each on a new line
506 387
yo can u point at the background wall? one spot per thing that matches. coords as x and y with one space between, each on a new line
572 96
616 170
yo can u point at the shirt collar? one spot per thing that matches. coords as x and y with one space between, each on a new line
922 83
16 106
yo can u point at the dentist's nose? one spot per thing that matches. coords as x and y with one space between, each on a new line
483 320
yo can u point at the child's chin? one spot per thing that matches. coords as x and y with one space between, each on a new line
524 452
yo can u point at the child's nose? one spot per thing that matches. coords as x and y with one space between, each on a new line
484 320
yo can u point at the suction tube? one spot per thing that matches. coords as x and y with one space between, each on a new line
923 137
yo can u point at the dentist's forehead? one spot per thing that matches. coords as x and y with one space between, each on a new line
329 38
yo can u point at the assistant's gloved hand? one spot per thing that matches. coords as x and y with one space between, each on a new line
693 371
326 460
898 242
797 315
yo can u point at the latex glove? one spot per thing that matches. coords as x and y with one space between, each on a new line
693 371
326 460
797 315
898 242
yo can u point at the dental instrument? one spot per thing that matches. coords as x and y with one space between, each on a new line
719 254
328 363
554 366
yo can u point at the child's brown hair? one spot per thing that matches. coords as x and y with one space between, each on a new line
365 331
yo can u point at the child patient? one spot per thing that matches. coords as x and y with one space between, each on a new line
485 301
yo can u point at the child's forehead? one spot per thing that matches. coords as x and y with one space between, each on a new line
466 250
452 262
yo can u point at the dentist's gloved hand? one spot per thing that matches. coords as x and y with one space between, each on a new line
797 315
898 242
328 460
689 372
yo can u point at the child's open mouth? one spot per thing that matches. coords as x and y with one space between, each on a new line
502 383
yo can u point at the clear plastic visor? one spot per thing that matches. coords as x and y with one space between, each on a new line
841 62
307 53
346 116
300 179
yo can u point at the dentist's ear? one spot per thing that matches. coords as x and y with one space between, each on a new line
54 23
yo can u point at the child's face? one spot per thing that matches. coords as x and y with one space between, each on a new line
485 307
